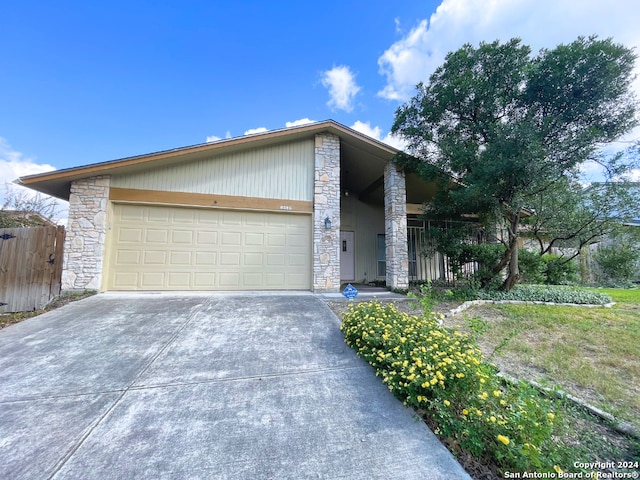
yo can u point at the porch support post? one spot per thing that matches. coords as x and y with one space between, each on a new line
326 205
395 226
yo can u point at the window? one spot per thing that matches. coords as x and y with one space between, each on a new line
381 253
413 239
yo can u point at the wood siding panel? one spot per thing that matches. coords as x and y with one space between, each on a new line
278 171
366 221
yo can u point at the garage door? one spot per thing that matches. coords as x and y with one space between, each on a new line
173 248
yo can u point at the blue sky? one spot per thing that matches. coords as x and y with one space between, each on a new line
85 82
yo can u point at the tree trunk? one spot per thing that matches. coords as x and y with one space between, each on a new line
514 273
510 257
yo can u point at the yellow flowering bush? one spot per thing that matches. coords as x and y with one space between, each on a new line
444 373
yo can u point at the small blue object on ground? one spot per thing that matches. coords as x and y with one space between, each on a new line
350 292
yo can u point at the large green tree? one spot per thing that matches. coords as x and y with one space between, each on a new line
571 216
498 127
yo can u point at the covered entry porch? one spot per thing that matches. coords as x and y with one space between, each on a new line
381 238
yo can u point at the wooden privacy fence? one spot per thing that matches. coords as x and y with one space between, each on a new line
30 267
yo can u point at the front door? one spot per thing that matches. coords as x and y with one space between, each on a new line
347 257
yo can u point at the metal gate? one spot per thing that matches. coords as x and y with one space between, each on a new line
426 262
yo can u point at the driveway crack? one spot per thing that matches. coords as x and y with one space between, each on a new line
67 456
260 376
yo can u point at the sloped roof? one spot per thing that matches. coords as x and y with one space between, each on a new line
58 182
25 218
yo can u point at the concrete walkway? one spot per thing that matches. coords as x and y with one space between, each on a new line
211 386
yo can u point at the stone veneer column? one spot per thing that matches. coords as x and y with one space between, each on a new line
86 232
326 203
395 227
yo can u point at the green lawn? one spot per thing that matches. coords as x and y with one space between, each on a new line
593 353
629 296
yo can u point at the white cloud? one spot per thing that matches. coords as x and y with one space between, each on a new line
297 123
397 22
591 172
539 23
406 63
253 131
214 138
14 164
376 132
367 129
395 141
342 86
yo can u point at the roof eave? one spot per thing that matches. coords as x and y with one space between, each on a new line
58 182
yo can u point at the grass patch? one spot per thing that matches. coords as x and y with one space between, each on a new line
628 296
591 439
591 353
490 425
443 373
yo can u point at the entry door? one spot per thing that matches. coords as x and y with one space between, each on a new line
347 257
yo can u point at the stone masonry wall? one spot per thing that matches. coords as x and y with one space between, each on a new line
326 203
395 223
86 232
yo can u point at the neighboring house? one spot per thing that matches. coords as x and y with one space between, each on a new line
629 215
23 218
635 191
302 208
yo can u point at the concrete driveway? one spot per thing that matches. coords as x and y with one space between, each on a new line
207 386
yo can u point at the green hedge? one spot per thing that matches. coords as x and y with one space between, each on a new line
547 293
444 373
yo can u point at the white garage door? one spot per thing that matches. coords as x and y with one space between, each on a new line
173 248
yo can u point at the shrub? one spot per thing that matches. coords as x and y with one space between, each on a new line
487 256
617 264
549 269
540 293
559 272
531 267
444 373
438 291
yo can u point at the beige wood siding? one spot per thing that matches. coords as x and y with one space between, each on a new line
366 221
175 248
278 171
